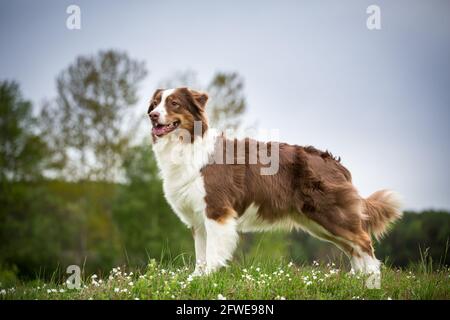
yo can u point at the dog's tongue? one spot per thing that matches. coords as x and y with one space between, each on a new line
159 130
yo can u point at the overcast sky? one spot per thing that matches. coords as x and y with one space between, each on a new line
379 99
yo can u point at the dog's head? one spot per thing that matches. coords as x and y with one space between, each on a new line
179 108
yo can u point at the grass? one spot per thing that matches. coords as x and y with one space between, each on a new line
256 280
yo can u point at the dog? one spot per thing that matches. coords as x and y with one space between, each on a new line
310 190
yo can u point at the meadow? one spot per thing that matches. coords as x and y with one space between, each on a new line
270 280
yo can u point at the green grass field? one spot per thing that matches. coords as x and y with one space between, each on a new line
275 280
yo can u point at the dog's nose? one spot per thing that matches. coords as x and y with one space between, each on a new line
154 115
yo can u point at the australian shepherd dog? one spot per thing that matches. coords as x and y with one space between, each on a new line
220 186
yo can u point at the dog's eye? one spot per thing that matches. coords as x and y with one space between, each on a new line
174 104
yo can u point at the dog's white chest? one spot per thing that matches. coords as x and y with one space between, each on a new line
186 195
180 166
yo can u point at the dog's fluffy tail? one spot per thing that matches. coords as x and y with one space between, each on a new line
382 208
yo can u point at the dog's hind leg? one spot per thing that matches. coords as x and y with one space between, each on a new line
348 235
221 237
362 256
357 245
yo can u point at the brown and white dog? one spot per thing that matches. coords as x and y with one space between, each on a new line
311 189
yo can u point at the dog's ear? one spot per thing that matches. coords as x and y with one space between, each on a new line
150 107
156 92
200 98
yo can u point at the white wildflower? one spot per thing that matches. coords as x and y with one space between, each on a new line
221 297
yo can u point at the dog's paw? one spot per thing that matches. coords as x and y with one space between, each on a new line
198 272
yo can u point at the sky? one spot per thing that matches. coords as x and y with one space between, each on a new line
379 99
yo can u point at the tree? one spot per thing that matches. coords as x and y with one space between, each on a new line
95 94
187 78
23 153
28 212
228 102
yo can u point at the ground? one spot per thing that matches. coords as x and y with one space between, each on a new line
274 280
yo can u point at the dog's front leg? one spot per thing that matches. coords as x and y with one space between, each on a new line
221 241
199 233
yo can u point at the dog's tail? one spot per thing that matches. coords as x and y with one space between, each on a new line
382 208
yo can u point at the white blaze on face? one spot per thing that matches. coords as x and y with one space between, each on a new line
161 107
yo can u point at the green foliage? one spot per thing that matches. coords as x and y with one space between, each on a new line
22 151
416 234
8 276
32 233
